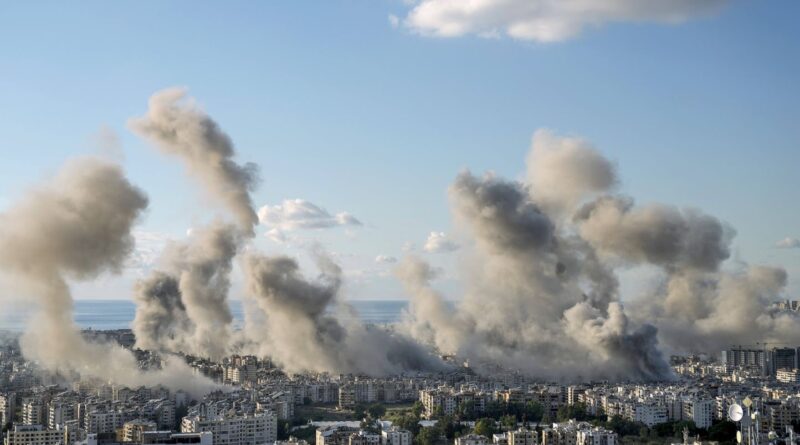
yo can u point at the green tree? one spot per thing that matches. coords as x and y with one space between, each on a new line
407 422
283 430
417 409
376 411
567 412
485 427
724 431
623 427
677 428
533 411
508 421
360 411
466 411
428 436
495 409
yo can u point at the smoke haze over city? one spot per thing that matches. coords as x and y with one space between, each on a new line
570 193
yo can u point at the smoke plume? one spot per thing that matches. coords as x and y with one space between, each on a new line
185 306
76 226
301 329
542 292
180 128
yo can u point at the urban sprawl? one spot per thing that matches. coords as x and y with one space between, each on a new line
264 405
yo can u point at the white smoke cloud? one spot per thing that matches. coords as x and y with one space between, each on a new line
544 20
439 242
294 214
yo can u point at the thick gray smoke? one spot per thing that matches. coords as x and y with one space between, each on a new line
178 127
161 321
77 226
185 306
528 303
656 234
301 334
542 292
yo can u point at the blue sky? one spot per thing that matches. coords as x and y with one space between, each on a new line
343 109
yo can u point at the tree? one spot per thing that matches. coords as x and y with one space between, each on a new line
485 427
466 411
495 409
376 411
509 421
677 428
623 427
428 436
576 411
407 422
360 411
533 411
417 409
724 431
283 430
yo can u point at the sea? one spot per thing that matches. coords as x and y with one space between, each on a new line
118 314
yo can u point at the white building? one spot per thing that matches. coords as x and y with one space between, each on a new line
395 436
522 436
596 436
472 439
788 376
364 438
33 435
32 411
258 429
437 400
650 413
132 430
7 407
701 411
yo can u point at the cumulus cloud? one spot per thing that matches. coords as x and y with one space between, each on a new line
293 214
385 259
788 243
439 242
544 20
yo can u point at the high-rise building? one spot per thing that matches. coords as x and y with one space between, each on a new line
783 358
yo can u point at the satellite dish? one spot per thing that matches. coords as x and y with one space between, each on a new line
738 437
735 412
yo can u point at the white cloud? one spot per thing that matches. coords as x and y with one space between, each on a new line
293 214
544 20
385 259
277 236
394 20
438 242
408 246
788 243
